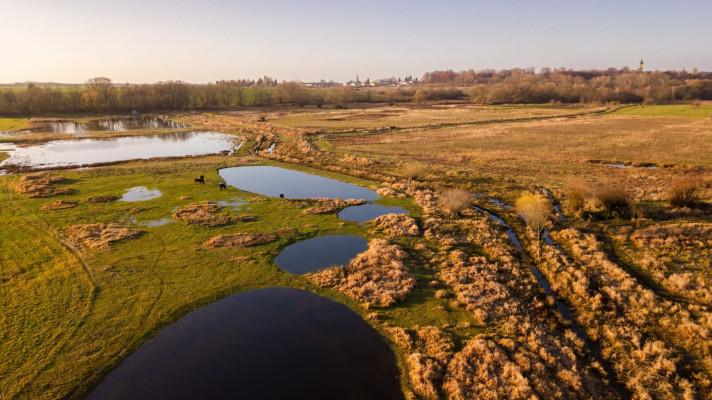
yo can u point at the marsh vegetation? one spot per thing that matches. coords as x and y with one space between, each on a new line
595 284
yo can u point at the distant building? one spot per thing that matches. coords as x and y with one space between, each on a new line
642 66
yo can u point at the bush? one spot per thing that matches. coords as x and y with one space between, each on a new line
453 200
413 170
613 199
535 209
684 192
576 195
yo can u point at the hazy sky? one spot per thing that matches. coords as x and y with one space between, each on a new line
208 40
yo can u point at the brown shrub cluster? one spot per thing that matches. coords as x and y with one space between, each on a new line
59 205
429 350
453 199
327 206
388 191
396 225
98 236
240 240
684 192
483 371
206 214
377 277
40 185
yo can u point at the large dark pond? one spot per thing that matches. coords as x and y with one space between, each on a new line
118 124
367 212
320 252
61 153
273 181
276 343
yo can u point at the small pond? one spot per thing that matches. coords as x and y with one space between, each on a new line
140 193
273 181
320 252
63 153
276 343
118 124
367 212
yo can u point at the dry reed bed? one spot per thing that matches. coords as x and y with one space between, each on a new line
644 337
677 255
394 225
378 277
325 205
532 355
40 185
98 236
206 214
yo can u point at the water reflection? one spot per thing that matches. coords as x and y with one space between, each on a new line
117 124
60 153
273 181
276 343
320 252
141 193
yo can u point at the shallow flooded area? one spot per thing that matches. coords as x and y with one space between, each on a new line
273 181
67 153
140 193
367 212
320 252
275 343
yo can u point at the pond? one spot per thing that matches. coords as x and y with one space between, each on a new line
275 343
273 181
140 193
367 212
320 252
68 153
117 124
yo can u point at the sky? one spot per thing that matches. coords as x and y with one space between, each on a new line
143 41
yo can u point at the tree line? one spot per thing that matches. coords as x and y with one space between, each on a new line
512 86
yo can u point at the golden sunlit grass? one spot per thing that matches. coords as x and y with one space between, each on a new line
409 116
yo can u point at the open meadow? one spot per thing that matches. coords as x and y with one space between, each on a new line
613 302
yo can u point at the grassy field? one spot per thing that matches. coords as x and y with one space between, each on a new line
700 111
412 116
13 124
76 314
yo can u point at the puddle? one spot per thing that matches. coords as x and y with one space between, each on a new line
320 252
64 153
140 193
234 203
367 212
273 181
154 223
118 124
275 343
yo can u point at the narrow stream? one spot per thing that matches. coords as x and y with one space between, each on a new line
561 307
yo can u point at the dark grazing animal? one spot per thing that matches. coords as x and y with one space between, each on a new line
223 186
200 180
281 195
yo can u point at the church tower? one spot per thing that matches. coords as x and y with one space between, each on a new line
642 66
